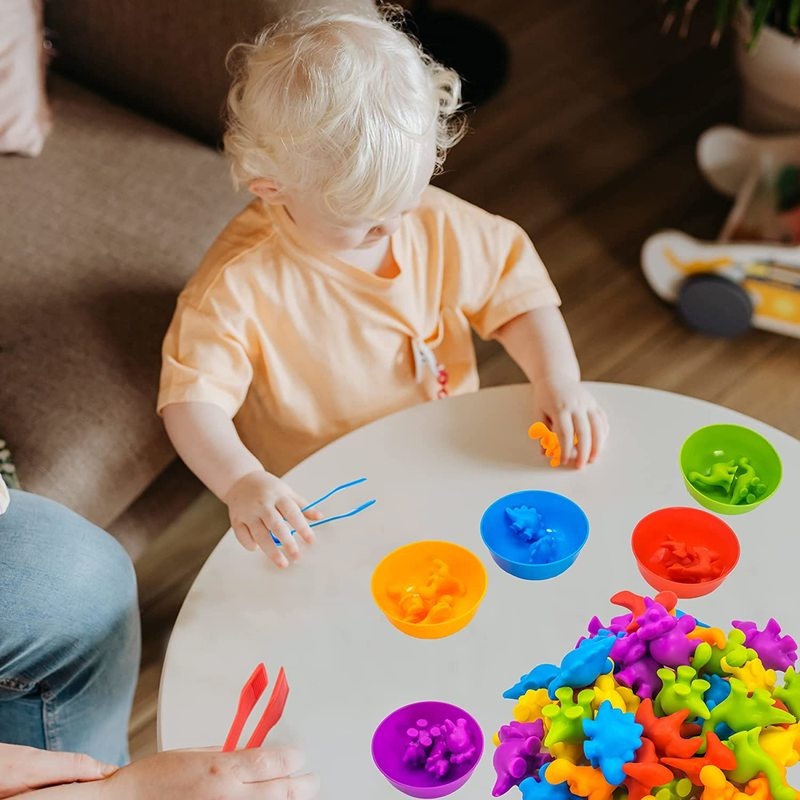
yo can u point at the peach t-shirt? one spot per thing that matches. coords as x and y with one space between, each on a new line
299 347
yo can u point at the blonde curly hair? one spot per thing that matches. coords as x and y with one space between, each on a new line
343 104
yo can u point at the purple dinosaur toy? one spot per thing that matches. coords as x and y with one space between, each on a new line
666 636
774 650
438 761
628 650
459 742
421 741
436 748
518 755
641 676
617 624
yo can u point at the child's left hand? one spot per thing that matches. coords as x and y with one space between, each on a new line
571 411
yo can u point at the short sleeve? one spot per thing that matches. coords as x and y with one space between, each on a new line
205 358
502 277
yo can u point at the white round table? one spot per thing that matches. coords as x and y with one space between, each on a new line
434 469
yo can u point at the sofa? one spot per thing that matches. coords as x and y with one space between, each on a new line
99 233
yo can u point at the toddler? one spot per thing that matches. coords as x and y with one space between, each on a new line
348 288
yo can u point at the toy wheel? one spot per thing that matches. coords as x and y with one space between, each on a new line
714 305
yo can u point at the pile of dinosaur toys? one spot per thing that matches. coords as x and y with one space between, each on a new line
655 704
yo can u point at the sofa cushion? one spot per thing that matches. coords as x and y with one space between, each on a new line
24 118
99 234
166 59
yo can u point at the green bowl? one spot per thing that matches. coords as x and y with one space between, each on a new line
717 444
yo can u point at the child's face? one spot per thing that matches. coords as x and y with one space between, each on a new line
316 224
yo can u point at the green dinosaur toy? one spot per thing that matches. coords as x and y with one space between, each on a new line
752 760
789 693
567 716
743 712
708 658
682 690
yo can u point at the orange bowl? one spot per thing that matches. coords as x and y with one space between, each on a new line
689 526
411 565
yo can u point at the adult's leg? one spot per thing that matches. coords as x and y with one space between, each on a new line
69 632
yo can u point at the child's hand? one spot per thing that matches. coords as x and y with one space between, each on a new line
259 503
570 410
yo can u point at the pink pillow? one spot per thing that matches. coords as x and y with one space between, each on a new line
24 116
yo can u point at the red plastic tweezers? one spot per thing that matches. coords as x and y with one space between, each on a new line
250 695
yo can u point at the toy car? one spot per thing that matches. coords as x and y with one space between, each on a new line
751 275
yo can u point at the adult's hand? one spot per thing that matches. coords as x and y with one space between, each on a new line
23 769
264 774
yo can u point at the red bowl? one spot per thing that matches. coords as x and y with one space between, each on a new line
690 526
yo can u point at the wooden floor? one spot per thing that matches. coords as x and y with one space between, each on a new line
590 147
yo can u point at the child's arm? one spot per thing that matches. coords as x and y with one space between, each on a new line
539 342
258 502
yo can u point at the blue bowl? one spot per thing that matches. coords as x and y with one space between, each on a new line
512 554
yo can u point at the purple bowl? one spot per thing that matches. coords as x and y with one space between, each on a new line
390 740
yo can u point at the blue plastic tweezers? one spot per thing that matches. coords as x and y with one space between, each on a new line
322 499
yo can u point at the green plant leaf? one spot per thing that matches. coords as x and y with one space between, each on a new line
761 11
722 14
793 16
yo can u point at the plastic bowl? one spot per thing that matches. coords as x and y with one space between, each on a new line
390 739
689 525
411 564
512 554
716 443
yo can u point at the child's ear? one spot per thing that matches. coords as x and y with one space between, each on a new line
266 189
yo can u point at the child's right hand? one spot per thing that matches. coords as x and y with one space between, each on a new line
259 503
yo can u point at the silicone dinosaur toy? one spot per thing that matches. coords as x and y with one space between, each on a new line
518 755
682 689
742 710
645 772
565 720
751 760
789 693
431 601
717 755
612 739
775 651
583 781
607 689
529 706
542 789
665 732
548 441
708 657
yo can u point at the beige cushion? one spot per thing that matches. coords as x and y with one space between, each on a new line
99 234
24 118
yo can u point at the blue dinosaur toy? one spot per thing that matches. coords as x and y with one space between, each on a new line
583 665
719 690
538 678
580 667
533 789
613 737
527 523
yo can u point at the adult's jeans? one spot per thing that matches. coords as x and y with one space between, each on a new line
69 632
